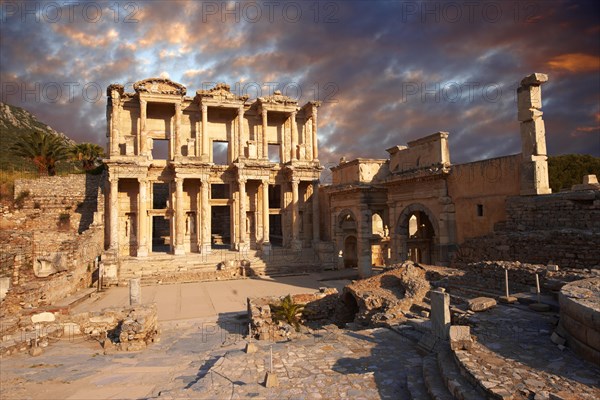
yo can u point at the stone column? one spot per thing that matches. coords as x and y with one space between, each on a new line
206 218
241 137
315 210
179 217
365 265
177 151
114 121
315 148
142 250
294 149
135 291
534 165
296 243
114 213
143 139
266 246
265 138
242 208
440 313
205 142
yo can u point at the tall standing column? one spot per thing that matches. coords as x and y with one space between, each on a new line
143 149
205 142
242 203
315 210
296 244
177 129
206 218
265 138
294 150
315 148
266 245
241 136
179 217
114 213
114 123
142 250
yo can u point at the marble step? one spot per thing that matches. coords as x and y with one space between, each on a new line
456 383
434 382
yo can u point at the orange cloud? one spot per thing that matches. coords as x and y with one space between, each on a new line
85 39
575 62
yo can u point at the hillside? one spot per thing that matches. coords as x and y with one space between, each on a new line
16 122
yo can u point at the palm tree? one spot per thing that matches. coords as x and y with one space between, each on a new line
288 311
87 153
44 149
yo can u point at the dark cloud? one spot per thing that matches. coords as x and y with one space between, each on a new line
388 72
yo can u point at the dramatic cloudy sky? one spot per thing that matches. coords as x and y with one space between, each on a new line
387 72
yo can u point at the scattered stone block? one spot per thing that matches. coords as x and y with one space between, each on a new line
460 337
564 395
481 304
4 286
43 317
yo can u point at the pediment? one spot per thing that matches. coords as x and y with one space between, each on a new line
159 86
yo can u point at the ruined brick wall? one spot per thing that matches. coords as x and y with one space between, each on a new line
562 228
62 202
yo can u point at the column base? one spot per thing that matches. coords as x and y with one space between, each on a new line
296 245
142 252
266 248
179 251
365 268
205 248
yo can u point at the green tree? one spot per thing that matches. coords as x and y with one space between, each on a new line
568 170
87 153
43 149
288 311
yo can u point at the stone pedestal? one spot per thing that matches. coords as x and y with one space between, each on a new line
365 268
135 291
440 313
266 248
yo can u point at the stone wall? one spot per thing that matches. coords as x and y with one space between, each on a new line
68 203
561 228
580 317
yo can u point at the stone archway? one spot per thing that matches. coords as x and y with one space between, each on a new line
417 232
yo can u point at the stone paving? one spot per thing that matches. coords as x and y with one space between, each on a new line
515 353
337 364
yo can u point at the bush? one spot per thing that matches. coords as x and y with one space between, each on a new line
21 198
288 311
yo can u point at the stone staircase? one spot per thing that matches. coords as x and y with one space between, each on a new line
163 268
441 378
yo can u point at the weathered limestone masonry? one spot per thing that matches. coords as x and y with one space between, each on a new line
417 205
190 174
51 246
562 228
580 317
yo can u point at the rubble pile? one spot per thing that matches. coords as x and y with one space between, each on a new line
318 306
386 297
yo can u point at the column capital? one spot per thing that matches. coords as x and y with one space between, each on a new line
142 180
264 112
242 180
113 179
295 180
241 109
178 106
265 181
204 108
143 102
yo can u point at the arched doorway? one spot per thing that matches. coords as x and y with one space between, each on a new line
350 252
417 231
